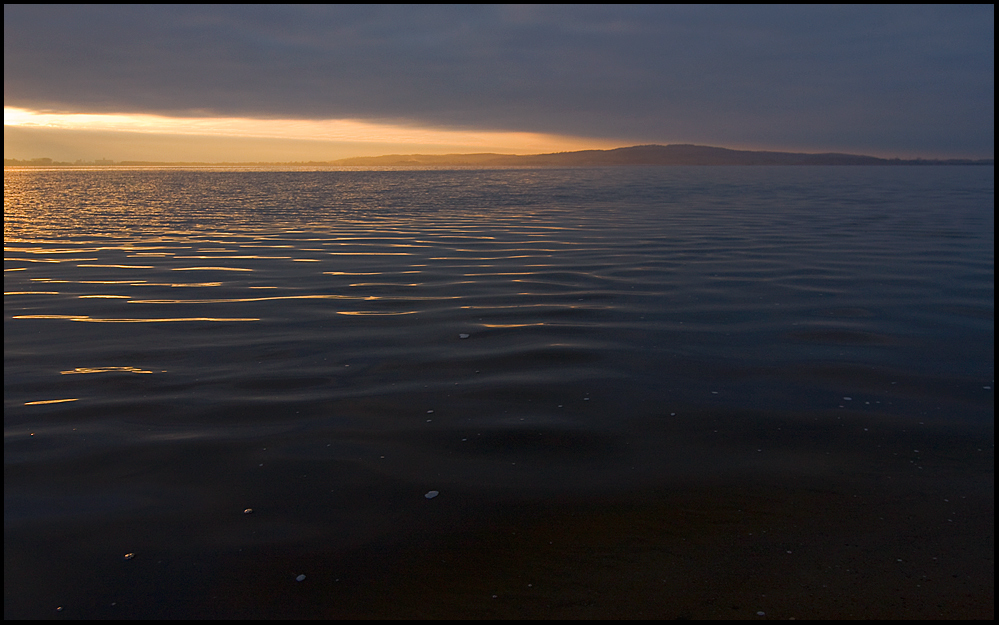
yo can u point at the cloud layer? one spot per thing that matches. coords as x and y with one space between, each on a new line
890 81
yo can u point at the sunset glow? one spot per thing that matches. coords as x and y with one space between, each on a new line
327 130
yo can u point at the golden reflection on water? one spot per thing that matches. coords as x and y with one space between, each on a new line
46 260
130 282
362 273
375 313
134 283
245 256
88 319
210 269
119 266
49 401
176 285
84 250
105 370
370 253
230 300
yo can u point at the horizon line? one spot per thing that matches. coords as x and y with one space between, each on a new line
41 161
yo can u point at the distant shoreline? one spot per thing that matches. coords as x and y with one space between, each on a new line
662 155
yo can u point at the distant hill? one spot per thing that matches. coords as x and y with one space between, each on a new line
680 154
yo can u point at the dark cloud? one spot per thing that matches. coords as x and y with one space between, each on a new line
890 80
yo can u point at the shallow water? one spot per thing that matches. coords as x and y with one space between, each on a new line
326 347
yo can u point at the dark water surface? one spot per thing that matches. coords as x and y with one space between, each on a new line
642 365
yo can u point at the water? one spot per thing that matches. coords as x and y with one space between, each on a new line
328 347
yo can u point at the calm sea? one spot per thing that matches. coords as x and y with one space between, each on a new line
218 370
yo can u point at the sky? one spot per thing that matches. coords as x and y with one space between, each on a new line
298 83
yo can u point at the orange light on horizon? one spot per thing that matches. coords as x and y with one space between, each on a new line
330 130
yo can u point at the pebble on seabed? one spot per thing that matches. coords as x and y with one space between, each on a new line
432 494
462 336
